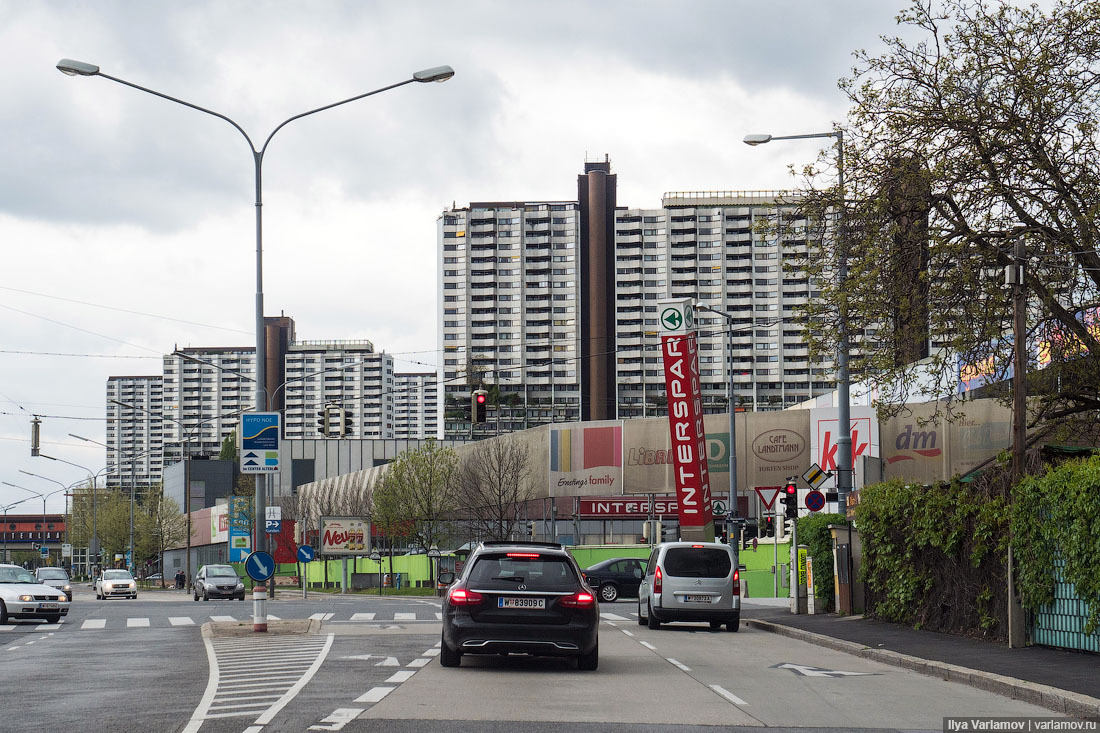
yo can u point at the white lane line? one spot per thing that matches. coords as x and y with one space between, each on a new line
181 621
674 663
136 622
728 695
222 618
321 616
47 627
613 617
375 694
7 627
273 711
94 623
13 647
431 653
404 617
211 687
647 645
253 729
399 677
628 633
358 617
339 718
419 662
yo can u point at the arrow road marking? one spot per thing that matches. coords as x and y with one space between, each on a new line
807 671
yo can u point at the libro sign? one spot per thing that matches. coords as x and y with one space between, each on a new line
685 418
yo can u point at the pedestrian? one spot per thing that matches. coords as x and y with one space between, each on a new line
179 579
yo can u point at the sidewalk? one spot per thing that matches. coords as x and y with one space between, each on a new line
1064 681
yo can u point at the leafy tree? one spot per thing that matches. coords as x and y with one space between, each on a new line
229 448
163 526
416 496
981 133
492 483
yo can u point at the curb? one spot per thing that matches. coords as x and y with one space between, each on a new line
1073 704
223 629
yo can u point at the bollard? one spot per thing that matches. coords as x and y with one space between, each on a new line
259 608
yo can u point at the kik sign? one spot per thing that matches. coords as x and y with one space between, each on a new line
825 429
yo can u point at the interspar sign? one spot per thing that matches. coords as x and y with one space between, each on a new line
619 507
685 419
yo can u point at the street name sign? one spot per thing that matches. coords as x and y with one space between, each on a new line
259 442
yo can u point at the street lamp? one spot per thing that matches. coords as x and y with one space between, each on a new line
436 74
133 487
844 429
94 475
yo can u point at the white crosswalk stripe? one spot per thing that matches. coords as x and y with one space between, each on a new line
321 616
362 617
404 617
612 617
94 623
230 619
134 622
181 621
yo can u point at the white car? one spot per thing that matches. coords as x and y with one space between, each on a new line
115 584
23 596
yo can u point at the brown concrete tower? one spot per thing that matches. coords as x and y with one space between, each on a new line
596 266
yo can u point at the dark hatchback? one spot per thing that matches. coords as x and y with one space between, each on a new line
619 576
520 598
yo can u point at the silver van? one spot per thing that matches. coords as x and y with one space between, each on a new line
691 581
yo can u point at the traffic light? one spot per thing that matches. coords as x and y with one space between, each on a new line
477 406
531 530
322 422
346 423
670 532
790 500
769 527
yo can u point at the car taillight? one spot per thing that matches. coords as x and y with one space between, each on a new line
657 580
463 597
737 582
579 600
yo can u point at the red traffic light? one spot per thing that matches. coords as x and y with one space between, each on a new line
790 489
481 399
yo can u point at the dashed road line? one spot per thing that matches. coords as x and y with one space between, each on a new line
681 665
647 645
728 695
375 694
339 718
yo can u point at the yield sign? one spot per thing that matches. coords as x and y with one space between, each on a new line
767 494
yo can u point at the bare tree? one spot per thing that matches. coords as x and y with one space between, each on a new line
415 498
492 484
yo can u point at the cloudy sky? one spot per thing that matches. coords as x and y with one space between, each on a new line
127 221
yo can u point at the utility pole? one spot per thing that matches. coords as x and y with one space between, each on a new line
1014 277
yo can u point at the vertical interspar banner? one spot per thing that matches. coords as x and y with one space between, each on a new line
685 419
586 458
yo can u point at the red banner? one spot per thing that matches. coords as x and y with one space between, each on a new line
685 422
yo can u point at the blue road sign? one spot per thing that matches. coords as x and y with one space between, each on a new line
259 442
306 553
273 526
260 566
815 501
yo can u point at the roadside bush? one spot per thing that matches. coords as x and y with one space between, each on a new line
813 531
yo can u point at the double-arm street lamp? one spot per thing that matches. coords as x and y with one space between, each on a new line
844 429
80 68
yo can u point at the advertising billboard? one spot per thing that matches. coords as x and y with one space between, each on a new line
240 528
344 536
219 523
585 457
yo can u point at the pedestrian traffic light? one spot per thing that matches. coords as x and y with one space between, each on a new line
477 406
769 527
790 500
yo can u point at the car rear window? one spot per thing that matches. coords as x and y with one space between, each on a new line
48 574
697 562
541 572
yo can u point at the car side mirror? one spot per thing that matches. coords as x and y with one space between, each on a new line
446 578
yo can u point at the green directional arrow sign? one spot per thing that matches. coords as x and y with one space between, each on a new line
671 319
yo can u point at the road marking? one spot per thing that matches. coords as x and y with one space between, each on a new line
47 627
375 694
404 617
431 653
419 662
401 676
7 627
272 617
253 729
438 616
613 617
222 618
321 616
647 645
94 623
181 621
807 670
674 663
339 718
133 622
728 695
361 617
388 662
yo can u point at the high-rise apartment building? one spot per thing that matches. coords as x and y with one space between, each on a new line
416 405
514 287
135 443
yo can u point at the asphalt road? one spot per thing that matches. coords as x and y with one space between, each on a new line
144 665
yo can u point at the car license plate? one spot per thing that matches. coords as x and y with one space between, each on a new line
537 603
48 606
697 599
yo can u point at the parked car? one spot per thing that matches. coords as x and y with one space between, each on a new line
218 581
619 576
691 581
520 597
24 596
56 578
115 584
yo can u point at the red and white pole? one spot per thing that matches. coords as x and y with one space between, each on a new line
259 608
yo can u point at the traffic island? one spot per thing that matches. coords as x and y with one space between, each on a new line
224 629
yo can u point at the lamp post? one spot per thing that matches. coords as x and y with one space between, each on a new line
734 529
40 496
5 527
133 487
93 474
844 407
46 496
80 68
